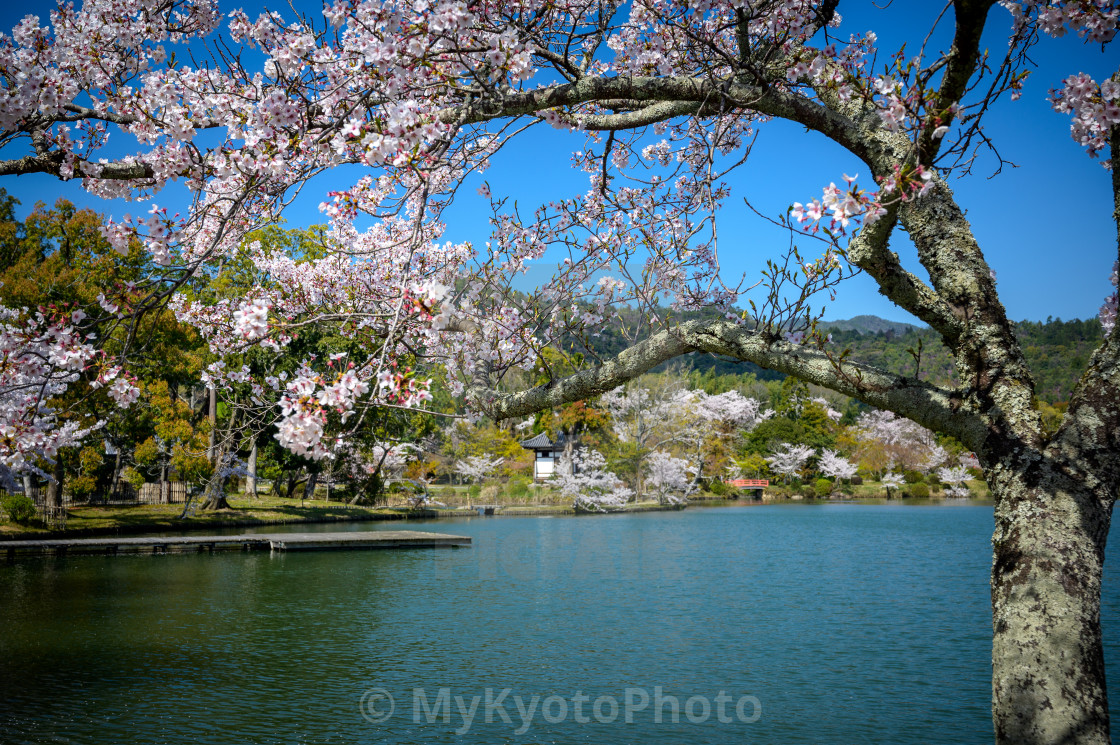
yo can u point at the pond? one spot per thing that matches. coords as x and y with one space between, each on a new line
800 623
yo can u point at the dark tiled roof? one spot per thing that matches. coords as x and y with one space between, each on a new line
540 441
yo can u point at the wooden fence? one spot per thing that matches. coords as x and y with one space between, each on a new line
169 492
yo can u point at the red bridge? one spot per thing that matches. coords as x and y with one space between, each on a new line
749 483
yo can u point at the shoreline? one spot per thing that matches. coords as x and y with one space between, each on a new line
341 513
345 514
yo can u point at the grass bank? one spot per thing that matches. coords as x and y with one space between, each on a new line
89 521
86 520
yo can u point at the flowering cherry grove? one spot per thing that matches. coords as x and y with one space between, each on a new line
669 96
303 97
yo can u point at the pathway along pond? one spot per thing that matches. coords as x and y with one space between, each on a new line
828 623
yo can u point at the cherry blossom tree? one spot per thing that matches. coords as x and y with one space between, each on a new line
582 476
905 443
892 480
671 478
647 418
830 412
478 467
955 477
367 467
835 466
789 460
669 95
934 458
706 420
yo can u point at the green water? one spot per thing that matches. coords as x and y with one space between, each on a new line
824 624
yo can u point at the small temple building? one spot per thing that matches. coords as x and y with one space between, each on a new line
547 454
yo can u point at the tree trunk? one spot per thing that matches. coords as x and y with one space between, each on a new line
212 415
115 480
216 489
291 482
28 485
251 479
54 487
1048 679
217 501
312 482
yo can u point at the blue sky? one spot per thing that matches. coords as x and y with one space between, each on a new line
1046 226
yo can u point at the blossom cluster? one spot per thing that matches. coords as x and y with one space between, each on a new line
41 354
1095 109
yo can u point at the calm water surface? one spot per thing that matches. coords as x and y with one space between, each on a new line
845 623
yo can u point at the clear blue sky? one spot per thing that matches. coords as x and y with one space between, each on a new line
1046 226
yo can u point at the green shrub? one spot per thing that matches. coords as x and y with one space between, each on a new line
775 491
918 491
913 477
719 488
933 480
474 491
518 488
19 508
822 487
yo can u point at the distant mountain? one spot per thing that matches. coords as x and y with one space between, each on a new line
869 325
